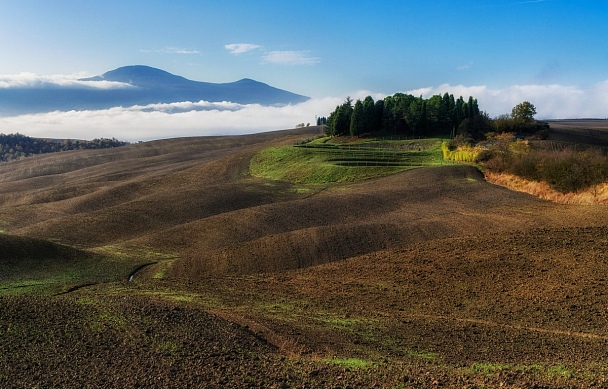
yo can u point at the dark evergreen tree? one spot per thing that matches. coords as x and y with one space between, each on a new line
369 113
345 111
338 122
424 122
378 122
330 129
388 118
457 115
413 117
470 108
403 114
358 119
434 107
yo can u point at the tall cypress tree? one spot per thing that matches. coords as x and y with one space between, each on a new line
388 119
358 119
369 113
342 121
470 108
424 120
379 108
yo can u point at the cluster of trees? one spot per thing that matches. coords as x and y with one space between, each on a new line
400 114
520 121
403 114
16 146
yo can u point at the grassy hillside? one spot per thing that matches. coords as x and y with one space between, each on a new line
331 160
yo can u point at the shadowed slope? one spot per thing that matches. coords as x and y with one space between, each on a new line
401 210
16 249
525 298
35 266
193 197
89 188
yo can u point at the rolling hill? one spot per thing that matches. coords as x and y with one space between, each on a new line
139 85
429 277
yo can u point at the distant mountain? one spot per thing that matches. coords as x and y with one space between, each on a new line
143 85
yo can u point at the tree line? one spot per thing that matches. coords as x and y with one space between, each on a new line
400 114
17 146
403 114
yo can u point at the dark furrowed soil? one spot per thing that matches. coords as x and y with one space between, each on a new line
581 132
427 278
126 343
547 281
531 305
91 342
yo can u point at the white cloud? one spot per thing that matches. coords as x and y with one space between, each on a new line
157 121
551 101
465 67
172 50
290 58
31 80
177 50
240 48
160 121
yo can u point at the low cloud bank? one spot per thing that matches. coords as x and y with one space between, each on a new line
158 121
32 80
551 101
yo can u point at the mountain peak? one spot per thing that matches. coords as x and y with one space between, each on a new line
150 86
139 75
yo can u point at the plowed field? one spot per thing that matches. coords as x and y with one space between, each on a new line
431 277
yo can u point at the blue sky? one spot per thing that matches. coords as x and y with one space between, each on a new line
503 50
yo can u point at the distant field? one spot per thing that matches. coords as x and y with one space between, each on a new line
580 131
427 277
596 124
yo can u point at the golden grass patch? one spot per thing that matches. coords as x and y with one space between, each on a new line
597 194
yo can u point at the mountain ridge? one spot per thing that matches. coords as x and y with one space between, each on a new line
149 86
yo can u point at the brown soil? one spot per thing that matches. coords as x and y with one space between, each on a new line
592 132
434 276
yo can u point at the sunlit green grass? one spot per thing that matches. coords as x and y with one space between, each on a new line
351 363
325 160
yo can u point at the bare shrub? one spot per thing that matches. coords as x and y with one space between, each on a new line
526 166
570 171
565 170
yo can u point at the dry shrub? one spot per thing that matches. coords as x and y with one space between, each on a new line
497 162
597 194
564 170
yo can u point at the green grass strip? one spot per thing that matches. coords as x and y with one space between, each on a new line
323 162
